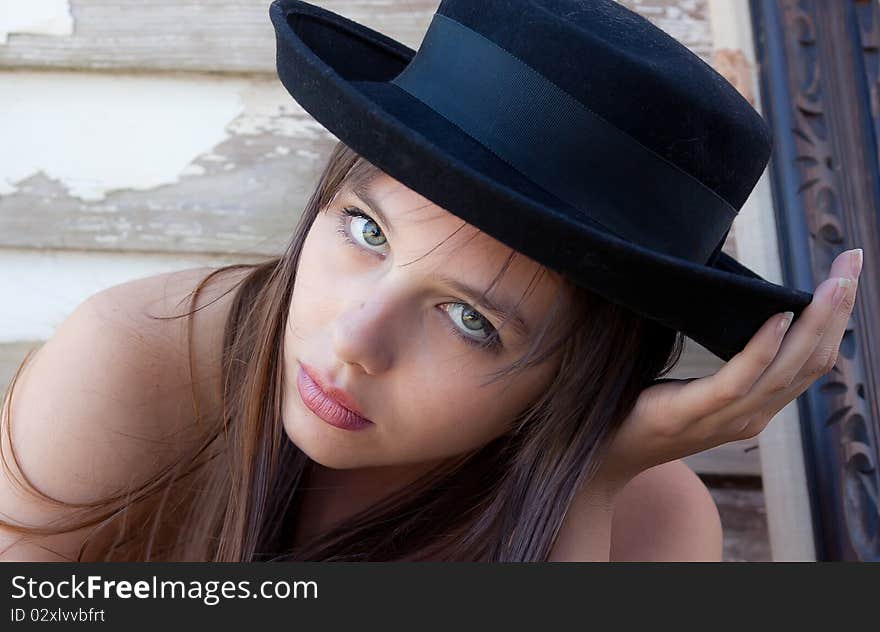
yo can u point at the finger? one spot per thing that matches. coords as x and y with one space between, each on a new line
825 355
797 363
729 392
805 350
708 395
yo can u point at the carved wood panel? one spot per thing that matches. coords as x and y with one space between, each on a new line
819 78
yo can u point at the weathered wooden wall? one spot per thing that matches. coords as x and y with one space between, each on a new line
236 35
145 136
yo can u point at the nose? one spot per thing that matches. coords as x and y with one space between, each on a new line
365 334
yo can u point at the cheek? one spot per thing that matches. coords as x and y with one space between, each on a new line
454 414
318 270
451 413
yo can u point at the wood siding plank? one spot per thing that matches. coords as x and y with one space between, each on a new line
237 36
247 179
41 288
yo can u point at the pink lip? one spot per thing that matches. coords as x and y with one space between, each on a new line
325 406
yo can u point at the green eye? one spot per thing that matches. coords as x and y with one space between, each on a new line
472 320
369 230
357 225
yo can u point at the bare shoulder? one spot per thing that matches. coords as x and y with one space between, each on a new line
150 314
666 513
106 401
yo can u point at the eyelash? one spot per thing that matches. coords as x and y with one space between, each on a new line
491 343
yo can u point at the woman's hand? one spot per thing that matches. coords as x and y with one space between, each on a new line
677 418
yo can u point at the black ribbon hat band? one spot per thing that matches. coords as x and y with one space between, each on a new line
554 140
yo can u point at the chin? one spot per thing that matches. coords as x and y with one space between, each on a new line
321 442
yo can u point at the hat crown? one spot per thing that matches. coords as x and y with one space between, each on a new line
638 78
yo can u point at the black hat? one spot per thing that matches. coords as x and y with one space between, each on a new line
576 132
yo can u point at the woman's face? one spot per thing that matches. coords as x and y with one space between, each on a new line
402 340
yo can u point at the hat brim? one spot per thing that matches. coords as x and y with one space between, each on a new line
340 72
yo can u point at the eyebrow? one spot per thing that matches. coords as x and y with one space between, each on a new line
500 309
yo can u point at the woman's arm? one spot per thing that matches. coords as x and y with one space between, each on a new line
102 404
71 405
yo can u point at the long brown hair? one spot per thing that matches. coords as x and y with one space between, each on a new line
235 495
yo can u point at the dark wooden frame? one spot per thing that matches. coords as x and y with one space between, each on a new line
819 68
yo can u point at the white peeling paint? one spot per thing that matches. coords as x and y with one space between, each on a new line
212 157
193 170
97 133
269 109
48 285
305 153
39 17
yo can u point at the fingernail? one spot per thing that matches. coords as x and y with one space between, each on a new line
840 291
784 323
856 260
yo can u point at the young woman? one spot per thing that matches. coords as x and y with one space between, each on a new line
399 384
